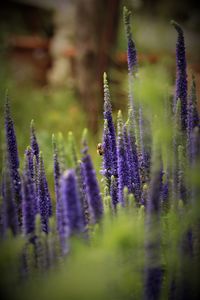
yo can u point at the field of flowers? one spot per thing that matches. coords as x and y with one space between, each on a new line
134 234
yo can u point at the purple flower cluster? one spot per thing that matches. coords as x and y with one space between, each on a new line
129 172
13 160
131 52
181 74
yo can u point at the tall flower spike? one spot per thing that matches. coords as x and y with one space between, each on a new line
193 117
34 143
111 128
28 203
60 207
114 192
143 158
56 165
29 176
177 140
45 206
71 201
92 187
134 161
13 159
123 176
107 152
9 204
82 193
132 64
181 74
128 159
29 161
131 52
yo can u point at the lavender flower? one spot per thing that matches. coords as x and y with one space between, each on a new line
134 159
28 203
114 192
82 193
45 206
181 74
92 187
123 176
111 128
29 161
107 155
132 64
9 212
31 169
57 172
61 220
131 52
13 159
128 159
34 143
143 156
71 201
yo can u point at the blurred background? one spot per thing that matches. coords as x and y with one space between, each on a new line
53 55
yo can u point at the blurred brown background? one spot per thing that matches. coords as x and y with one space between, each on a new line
71 43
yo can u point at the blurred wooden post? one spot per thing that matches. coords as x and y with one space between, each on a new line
86 29
62 44
96 27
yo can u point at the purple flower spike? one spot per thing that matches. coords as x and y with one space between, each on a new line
131 52
29 161
9 208
107 154
111 128
56 165
13 159
71 201
61 221
114 192
134 160
144 156
28 203
82 193
123 176
127 148
45 206
34 143
181 74
30 176
91 186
